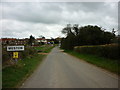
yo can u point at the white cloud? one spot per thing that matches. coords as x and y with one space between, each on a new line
22 19
59 0
13 28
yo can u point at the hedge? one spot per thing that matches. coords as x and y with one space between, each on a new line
108 51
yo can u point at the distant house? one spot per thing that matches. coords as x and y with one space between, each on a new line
41 41
22 41
14 41
48 41
8 41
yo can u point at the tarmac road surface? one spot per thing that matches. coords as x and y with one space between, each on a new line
60 70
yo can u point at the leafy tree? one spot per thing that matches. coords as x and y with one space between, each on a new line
67 30
87 35
68 42
108 37
31 40
41 36
76 29
90 35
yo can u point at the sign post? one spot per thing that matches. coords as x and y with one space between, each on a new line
15 50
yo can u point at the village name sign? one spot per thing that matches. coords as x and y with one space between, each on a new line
15 48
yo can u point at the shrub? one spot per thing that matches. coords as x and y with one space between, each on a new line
29 51
6 56
109 51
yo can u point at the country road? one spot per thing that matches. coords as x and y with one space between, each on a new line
60 70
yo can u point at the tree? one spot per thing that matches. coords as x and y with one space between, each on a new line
76 29
108 37
31 40
90 35
68 42
41 36
87 35
67 29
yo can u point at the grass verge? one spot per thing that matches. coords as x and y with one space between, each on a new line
13 76
44 48
108 64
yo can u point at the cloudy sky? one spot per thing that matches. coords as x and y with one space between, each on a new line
22 19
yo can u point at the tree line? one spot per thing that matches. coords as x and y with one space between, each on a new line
86 35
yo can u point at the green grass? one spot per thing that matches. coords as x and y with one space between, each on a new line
13 76
108 64
44 48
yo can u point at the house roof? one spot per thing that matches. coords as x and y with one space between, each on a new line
40 39
7 39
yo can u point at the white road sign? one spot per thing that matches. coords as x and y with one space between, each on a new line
15 48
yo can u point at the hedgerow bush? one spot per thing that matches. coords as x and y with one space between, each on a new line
5 56
28 52
109 51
